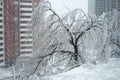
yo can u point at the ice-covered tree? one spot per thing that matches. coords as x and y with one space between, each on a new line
61 43
59 39
113 31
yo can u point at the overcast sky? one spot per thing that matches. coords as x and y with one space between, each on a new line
60 5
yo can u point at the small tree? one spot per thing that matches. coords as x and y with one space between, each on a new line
54 35
58 41
113 31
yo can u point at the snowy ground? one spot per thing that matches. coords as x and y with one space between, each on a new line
110 71
5 73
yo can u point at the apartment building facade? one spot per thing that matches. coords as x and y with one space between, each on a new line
2 53
26 10
15 34
9 31
98 7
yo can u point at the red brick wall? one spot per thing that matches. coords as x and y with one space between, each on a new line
9 30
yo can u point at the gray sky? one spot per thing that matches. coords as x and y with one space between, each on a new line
58 5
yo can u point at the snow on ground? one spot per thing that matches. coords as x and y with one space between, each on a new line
109 71
5 73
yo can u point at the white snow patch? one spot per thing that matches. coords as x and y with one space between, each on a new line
5 73
109 71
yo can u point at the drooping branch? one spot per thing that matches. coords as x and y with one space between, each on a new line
62 51
117 44
40 59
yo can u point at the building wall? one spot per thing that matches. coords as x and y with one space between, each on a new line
17 27
2 53
26 44
9 31
15 32
117 5
98 7
91 6
103 6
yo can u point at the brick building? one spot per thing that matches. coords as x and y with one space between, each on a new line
15 34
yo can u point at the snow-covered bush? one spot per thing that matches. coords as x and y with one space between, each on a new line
112 20
62 43
66 41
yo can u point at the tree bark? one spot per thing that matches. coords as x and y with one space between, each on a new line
76 52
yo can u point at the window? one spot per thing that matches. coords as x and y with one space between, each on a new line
1 49
1 44
23 32
0 9
1 61
0 15
1 55
23 27
26 1
1 38
26 11
26 52
1 3
23 21
1 27
25 6
25 16
1 32
26 42
28 47
0 20
26 37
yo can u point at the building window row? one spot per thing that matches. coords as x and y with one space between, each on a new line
26 11
25 16
1 32
1 38
1 21
25 27
1 9
1 61
22 32
25 6
26 42
23 21
1 55
26 37
26 52
1 26
26 1
28 47
1 49
1 15
1 44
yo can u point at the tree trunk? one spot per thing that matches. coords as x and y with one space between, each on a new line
78 56
76 53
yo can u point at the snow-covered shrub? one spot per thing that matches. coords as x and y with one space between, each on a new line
113 32
65 42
